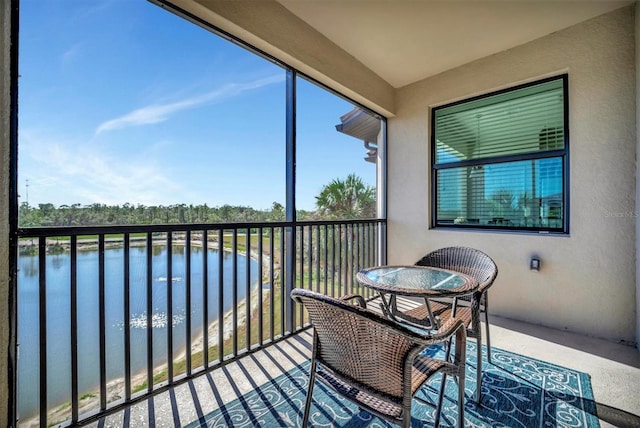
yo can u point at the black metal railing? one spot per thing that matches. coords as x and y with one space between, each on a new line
109 316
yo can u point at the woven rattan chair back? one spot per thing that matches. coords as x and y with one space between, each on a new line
467 260
371 360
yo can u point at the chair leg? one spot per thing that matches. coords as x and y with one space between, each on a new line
461 377
440 400
447 356
486 324
478 394
406 418
307 406
486 327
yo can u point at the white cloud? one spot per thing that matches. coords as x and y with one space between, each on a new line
156 113
63 174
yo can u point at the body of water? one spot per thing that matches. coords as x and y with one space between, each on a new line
58 297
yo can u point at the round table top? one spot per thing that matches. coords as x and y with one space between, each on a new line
417 281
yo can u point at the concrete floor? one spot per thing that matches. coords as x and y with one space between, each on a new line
614 370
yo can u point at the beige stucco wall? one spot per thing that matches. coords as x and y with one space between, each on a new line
587 280
4 211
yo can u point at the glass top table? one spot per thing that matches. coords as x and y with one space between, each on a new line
417 281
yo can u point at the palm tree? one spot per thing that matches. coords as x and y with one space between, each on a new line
348 199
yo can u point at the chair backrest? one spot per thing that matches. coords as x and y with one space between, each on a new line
359 345
467 260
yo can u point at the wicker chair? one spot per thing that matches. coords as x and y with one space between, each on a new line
478 265
375 362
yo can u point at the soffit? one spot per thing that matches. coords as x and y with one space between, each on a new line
404 41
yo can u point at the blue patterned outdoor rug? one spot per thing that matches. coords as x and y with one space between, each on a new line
518 391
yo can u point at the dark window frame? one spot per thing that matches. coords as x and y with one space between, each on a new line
563 154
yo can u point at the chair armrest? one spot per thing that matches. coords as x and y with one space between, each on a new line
359 299
448 328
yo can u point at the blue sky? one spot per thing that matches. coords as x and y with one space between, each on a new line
121 101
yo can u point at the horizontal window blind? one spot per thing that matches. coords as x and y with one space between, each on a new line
522 121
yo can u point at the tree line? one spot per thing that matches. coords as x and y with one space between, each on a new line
339 199
102 214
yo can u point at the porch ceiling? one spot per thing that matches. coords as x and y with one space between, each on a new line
404 41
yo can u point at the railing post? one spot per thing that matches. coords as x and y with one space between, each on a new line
290 277
42 331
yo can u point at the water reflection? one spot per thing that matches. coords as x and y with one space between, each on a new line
58 261
28 265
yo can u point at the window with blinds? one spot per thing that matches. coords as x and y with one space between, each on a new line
500 161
